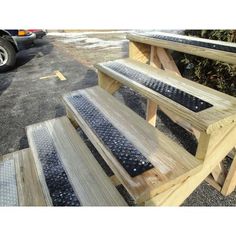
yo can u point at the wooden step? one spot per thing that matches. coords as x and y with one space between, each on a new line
117 132
212 49
19 182
204 108
70 174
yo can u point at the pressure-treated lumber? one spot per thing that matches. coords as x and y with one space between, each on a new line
230 181
222 113
172 163
197 48
107 83
139 52
89 181
29 189
167 61
214 157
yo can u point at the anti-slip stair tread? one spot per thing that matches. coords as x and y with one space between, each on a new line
67 168
205 108
171 165
187 100
60 189
191 41
8 186
128 156
20 180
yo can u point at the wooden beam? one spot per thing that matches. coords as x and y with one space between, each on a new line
211 161
230 181
167 61
151 112
107 83
210 180
154 60
219 174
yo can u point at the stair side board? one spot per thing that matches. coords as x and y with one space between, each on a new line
222 113
172 165
190 45
89 181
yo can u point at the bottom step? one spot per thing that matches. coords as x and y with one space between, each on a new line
69 173
19 182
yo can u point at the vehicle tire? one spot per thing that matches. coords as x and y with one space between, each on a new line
7 55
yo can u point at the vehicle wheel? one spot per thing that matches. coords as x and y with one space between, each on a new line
7 55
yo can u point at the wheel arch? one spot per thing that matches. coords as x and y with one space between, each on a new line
7 35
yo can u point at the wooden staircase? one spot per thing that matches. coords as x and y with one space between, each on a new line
58 169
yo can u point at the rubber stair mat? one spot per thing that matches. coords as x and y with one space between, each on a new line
60 189
191 42
123 150
187 100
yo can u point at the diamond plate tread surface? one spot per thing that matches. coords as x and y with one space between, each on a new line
122 149
8 184
191 42
60 189
187 100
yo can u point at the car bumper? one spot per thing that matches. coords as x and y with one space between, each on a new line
24 42
40 34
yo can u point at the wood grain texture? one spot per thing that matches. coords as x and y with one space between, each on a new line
186 48
29 189
151 112
167 61
105 82
90 183
139 52
172 162
230 181
222 113
214 157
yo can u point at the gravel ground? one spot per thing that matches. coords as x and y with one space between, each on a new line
24 99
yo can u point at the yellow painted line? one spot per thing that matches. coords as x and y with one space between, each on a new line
60 75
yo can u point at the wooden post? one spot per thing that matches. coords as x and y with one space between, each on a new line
151 112
230 181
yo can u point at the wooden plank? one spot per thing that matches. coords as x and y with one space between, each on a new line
172 165
167 61
222 113
210 180
107 83
230 181
160 198
151 112
29 188
89 181
214 54
139 52
211 161
60 75
219 174
154 60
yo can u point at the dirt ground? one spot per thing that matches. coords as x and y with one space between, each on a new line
25 99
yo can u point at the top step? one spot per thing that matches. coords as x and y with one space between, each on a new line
212 49
205 108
